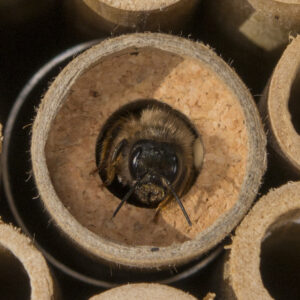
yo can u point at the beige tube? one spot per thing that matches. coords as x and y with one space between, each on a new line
96 16
183 74
244 269
143 291
279 106
255 24
24 271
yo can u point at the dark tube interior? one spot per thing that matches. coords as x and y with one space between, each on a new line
14 281
294 102
280 261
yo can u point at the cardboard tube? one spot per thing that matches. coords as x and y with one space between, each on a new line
143 291
242 272
191 78
24 271
96 16
255 24
279 107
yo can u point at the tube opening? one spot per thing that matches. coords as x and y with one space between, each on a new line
187 86
14 280
294 102
280 260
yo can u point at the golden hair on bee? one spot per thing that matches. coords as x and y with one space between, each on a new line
153 151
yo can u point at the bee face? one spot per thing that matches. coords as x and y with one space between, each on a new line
146 151
149 162
155 158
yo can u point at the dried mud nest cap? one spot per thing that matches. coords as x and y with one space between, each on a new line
143 291
193 80
242 272
280 106
16 253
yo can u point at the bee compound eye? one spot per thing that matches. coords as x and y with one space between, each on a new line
171 171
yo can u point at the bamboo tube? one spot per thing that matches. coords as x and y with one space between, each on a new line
24 271
244 269
192 79
96 16
255 24
279 107
143 291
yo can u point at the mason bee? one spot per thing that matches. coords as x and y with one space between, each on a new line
148 154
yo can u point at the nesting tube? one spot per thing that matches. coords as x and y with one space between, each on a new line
263 262
279 107
190 78
96 16
255 24
24 271
143 291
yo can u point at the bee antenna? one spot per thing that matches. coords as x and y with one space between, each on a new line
170 188
125 198
129 193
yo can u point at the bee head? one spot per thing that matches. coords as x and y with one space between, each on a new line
152 160
146 154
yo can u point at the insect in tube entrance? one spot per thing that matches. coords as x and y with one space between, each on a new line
149 154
